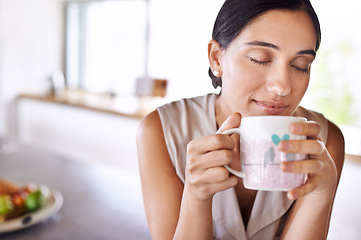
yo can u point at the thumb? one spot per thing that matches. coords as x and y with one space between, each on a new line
233 121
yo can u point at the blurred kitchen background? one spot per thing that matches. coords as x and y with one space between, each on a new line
76 77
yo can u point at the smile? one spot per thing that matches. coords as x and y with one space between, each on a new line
270 107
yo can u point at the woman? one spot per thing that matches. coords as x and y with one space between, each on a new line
260 55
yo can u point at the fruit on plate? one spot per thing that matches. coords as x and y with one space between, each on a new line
6 204
16 200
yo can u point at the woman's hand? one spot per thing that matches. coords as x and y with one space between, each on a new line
319 166
206 157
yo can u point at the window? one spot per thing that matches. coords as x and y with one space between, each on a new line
106 45
335 79
335 87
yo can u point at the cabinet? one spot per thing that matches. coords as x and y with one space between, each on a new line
83 134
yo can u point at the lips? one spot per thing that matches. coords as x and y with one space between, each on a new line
271 107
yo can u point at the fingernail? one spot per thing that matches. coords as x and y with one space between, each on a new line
292 195
285 146
287 167
296 128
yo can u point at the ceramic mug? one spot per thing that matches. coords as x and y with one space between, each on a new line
260 157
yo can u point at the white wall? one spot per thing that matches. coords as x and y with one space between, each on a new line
31 47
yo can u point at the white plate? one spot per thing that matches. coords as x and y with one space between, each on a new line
29 219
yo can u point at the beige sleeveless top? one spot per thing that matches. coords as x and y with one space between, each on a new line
192 118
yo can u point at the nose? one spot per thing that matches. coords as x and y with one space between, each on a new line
279 81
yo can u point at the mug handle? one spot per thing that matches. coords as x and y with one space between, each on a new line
231 170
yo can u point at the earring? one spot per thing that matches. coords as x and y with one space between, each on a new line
216 73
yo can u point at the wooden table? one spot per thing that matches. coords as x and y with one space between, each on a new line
100 202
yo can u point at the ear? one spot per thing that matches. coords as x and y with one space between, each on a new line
215 55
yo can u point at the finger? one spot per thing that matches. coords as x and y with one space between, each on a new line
233 121
210 143
309 146
311 129
211 159
304 166
230 182
309 186
220 186
218 158
215 175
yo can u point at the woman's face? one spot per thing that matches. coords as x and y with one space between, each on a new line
266 69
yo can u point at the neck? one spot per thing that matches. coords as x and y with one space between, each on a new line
222 110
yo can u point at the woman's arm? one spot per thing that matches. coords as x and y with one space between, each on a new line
174 210
161 188
310 214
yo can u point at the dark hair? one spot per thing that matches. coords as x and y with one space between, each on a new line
235 15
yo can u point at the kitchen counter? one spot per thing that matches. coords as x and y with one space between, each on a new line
126 106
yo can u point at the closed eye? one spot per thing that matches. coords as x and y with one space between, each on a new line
259 62
301 70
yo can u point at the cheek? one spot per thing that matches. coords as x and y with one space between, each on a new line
301 85
238 74
299 88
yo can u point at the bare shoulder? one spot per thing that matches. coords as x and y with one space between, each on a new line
335 132
150 141
150 124
336 145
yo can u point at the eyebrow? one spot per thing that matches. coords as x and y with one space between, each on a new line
270 45
311 52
